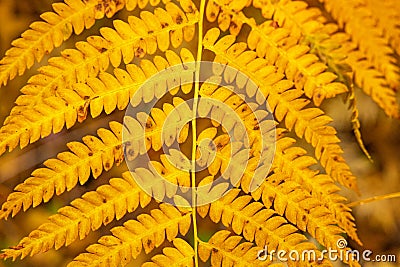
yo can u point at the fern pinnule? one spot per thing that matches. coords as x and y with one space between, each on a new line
180 255
88 213
226 250
57 27
64 172
148 231
172 179
152 127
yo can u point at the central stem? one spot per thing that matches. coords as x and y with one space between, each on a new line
194 129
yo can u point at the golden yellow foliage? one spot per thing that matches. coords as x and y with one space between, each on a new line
286 58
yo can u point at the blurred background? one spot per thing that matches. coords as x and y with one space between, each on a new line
378 222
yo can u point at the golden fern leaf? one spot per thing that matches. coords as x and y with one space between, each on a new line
293 163
281 49
262 226
136 38
294 54
64 172
26 125
294 16
85 214
300 208
153 128
366 76
126 243
57 27
226 250
370 39
181 255
257 126
310 123
308 22
155 181
95 154
385 13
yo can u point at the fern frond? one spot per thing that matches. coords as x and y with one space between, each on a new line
350 15
387 15
310 123
292 163
262 226
88 213
57 27
181 255
136 38
309 23
226 250
366 76
294 60
64 172
126 243
300 208
107 92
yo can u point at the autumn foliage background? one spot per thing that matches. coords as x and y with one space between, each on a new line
378 223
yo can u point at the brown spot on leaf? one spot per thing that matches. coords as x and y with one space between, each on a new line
98 7
18 247
179 19
149 124
275 24
139 52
